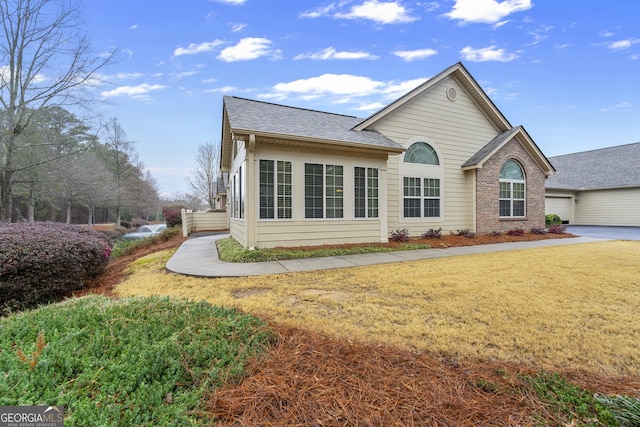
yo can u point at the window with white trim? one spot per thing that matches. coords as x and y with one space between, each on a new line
323 191
275 189
512 190
365 192
422 191
421 197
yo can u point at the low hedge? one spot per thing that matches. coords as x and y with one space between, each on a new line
42 262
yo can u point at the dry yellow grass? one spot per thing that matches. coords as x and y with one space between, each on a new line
571 306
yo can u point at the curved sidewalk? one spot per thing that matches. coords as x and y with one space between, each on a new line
199 257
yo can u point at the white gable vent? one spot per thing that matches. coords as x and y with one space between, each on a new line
452 94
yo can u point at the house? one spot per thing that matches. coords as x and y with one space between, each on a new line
597 187
441 156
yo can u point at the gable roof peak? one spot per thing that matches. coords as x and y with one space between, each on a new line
460 73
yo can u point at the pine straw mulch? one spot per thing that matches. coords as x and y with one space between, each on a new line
311 379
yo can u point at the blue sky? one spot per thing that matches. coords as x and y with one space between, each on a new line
566 70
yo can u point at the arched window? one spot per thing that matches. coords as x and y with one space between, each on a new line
512 190
422 192
423 153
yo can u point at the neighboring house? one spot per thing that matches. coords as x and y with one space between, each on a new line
597 187
221 194
441 156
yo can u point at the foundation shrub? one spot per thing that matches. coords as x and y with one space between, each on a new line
536 230
42 262
552 219
432 234
556 229
465 232
400 235
516 232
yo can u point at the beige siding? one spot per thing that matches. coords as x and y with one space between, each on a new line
237 230
457 130
299 231
619 207
317 232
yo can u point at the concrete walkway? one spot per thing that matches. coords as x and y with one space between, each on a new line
199 257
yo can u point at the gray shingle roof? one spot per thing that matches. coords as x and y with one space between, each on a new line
603 168
265 117
492 145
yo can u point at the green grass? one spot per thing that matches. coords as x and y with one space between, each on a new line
570 402
137 361
231 251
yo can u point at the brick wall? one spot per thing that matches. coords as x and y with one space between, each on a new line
488 194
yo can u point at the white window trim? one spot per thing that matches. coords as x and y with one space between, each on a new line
366 194
324 191
512 199
275 193
422 171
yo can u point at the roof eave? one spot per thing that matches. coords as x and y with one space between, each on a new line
322 141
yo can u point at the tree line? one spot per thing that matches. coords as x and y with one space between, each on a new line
50 160
60 163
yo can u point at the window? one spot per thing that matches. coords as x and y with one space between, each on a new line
275 189
421 197
512 190
323 188
365 192
237 194
422 153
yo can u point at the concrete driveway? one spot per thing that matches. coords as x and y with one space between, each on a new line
604 232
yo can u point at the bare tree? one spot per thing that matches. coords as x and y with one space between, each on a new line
45 60
120 155
204 177
94 183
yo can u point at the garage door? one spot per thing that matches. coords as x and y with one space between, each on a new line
561 206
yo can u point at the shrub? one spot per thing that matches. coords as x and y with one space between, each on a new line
536 230
465 232
124 247
432 234
556 229
43 262
552 219
516 232
400 235
496 233
172 215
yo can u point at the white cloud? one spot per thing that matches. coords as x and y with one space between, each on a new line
247 49
186 74
195 48
331 53
622 44
607 33
343 89
137 92
487 54
223 89
486 11
412 55
617 106
391 12
231 2
134 27
237 27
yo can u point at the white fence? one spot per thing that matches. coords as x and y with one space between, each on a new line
204 221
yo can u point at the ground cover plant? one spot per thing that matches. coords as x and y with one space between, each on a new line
231 251
138 361
42 262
